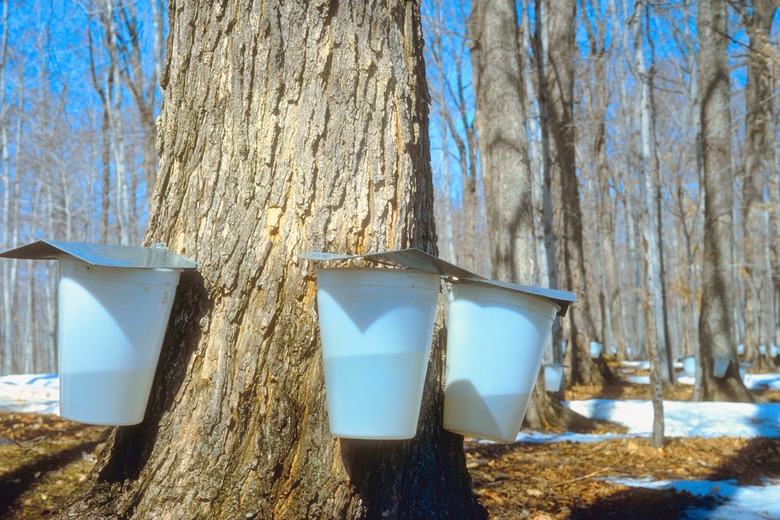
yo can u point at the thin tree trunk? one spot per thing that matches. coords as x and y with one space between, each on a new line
649 220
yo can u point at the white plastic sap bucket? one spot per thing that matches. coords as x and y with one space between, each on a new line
110 330
743 368
553 377
721 365
689 366
595 349
495 344
376 327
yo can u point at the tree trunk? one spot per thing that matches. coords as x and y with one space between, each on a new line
7 270
558 86
759 165
653 304
503 145
284 130
715 322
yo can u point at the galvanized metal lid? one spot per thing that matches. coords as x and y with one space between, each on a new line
416 259
103 255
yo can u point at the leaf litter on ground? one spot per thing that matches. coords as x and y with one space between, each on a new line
43 458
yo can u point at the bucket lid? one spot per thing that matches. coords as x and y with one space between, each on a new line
416 259
105 255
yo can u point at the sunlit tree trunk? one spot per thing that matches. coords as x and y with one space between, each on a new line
653 304
503 145
759 166
7 269
293 128
715 324
558 85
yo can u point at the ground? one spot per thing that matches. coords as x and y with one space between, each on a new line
43 458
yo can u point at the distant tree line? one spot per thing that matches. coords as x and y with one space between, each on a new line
673 129
79 93
77 140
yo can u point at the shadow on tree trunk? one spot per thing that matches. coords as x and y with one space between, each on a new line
131 446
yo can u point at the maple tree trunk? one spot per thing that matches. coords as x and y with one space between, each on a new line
503 145
495 55
558 84
286 129
716 319
759 164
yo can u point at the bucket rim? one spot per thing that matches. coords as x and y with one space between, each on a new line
155 276
516 297
415 277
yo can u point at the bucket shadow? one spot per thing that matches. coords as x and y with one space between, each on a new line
465 407
131 446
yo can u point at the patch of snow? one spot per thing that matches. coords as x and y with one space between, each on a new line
30 393
752 381
742 502
686 419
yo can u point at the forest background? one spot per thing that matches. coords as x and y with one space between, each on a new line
79 94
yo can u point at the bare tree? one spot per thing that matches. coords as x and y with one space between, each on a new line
296 128
142 84
716 322
8 271
759 166
557 98
653 304
503 145
452 96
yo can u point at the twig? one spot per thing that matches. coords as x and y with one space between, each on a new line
584 477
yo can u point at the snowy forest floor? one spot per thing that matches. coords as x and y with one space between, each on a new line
612 474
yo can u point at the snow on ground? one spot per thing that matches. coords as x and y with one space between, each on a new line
687 419
738 502
752 381
40 393
36 393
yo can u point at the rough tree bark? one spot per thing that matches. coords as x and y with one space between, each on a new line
503 145
557 83
759 166
286 128
716 322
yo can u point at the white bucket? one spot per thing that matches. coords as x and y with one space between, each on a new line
762 350
741 349
110 330
721 365
743 368
595 349
773 350
495 344
689 366
376 327
553 377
